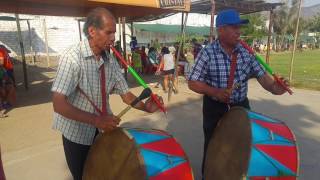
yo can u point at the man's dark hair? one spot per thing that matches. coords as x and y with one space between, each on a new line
94 18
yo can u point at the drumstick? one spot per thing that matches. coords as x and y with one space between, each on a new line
144 94
139 79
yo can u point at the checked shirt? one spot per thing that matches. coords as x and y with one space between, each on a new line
212 67
78 67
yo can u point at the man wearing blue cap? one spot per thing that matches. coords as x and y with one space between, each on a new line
222 71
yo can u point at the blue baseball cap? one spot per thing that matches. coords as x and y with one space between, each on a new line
229 17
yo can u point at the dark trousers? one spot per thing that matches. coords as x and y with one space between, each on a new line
76 155
212 113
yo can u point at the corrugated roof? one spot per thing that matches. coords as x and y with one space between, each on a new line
243 6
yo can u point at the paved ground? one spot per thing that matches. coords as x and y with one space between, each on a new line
31 150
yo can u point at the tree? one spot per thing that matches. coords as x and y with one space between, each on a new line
314 23
280 23
256 29
285 20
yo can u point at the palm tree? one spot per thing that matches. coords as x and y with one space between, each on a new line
280 23
285 19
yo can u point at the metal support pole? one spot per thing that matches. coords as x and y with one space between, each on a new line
213 12
30 43
131 28
120 30
295 42
24 65
46 41
124 44
79 28
269 36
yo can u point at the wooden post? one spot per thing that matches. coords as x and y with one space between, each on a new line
269 36
213 12
30 43
182 19
79 28
124 44
24 65
131 27
120 31
295 43
179 51
46 41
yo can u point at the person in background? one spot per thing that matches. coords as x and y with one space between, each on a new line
8 63
144 60
133 43
196 48
167 61
136 60
152 56
7 90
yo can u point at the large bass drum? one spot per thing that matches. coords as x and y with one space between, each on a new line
250 146
136 154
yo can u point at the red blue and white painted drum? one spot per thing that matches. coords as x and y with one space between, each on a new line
163 157
149 154
251 146
274 152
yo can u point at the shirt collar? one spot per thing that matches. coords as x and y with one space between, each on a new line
85 48
220 48
87 52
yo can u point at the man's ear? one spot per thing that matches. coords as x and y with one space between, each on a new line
92 31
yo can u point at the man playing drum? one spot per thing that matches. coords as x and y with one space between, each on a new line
86 75
213 70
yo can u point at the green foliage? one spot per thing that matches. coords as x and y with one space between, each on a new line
314 23
256 28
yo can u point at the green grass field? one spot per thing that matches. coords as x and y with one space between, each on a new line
306 69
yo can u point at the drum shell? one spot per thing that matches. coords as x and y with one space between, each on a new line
127 154
249 145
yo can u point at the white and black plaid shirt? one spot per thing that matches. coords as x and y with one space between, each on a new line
78 67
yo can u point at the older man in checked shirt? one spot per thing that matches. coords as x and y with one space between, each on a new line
211 73
86 75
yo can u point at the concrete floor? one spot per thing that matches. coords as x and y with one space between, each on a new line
31 150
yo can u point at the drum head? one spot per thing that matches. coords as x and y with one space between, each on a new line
229 148
113 156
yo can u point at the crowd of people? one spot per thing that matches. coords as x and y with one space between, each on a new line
157 59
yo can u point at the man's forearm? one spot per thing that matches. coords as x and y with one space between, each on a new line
269 84
128 98
64 108
202 88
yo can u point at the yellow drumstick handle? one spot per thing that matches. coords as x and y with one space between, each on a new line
124 111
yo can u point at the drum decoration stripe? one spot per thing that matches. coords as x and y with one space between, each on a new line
282 170
180 172
168 146
262 164
143 137
158 162
265 136
286 155
156 132
280 129
254 115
